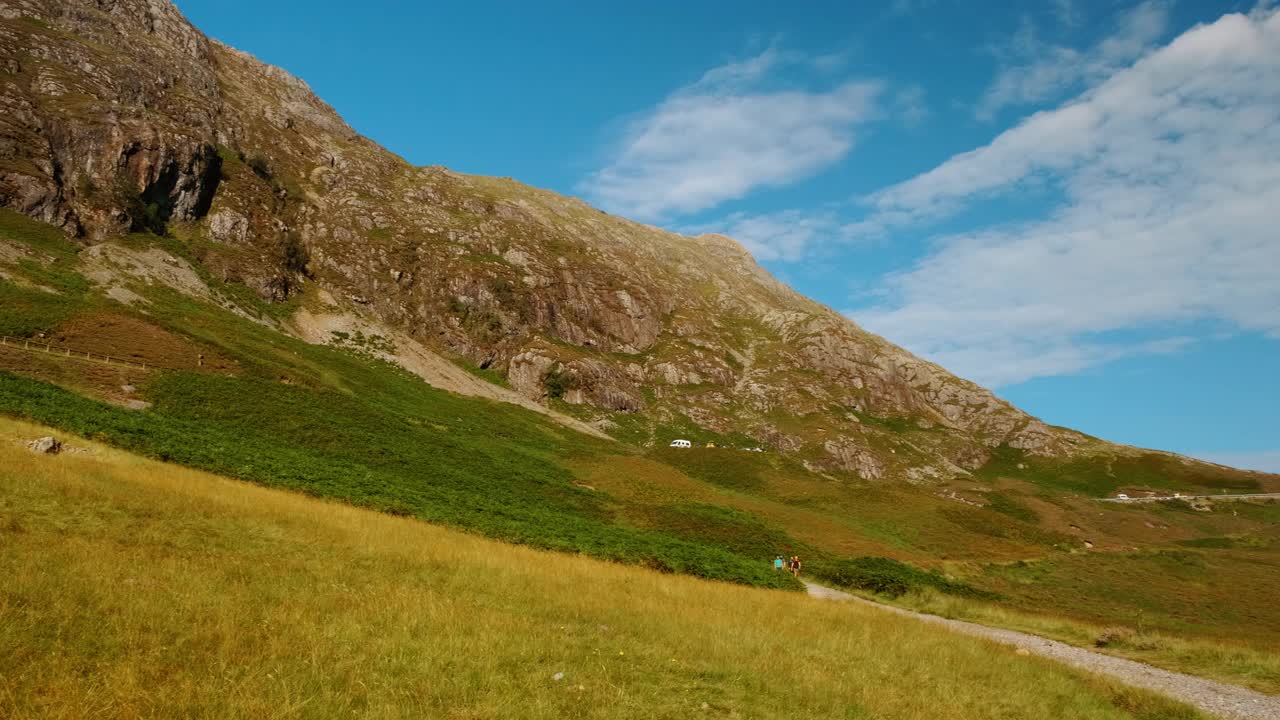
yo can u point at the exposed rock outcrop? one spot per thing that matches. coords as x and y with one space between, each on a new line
47 445
120 115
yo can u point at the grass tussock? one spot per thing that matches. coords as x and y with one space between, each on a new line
140 589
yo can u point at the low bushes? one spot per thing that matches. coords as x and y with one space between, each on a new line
885 576
503 483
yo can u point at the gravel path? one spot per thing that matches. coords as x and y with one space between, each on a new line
1220 699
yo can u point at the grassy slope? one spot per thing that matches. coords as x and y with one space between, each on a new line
1143 469
501 480
135 588
339 426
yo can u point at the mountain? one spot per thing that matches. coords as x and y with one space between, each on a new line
202 263
121 116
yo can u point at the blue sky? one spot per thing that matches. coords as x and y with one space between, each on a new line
1075 203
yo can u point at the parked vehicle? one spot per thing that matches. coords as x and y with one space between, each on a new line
681 444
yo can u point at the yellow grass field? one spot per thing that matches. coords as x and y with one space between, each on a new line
136 589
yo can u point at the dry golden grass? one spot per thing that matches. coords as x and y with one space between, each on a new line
138 589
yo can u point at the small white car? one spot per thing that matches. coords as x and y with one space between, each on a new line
1122 496
681 444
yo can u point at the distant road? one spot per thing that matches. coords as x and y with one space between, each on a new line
1165 498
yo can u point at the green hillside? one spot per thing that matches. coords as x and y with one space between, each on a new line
228 391
140 589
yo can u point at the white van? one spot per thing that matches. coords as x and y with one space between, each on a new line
681 444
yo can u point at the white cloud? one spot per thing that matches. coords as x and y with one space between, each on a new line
725 135
1170 175
1264 460
786 235
1036 71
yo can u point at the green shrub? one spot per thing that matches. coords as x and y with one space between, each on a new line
885 576
558 382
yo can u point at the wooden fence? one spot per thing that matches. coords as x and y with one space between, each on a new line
43 347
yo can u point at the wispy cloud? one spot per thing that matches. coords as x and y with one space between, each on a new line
787 235
909 105
1066 13
732 131
1033 71
1170 174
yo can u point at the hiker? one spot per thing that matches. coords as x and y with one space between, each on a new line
777 563
795 565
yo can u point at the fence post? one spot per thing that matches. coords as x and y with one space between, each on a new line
71 353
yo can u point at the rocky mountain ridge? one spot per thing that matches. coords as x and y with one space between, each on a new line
119 116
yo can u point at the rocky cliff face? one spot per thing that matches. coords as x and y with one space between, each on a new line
118 115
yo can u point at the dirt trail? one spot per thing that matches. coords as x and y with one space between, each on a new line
397 347
1220 699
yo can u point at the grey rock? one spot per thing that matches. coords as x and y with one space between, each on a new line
47 445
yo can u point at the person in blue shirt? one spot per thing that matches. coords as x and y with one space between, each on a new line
777 563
